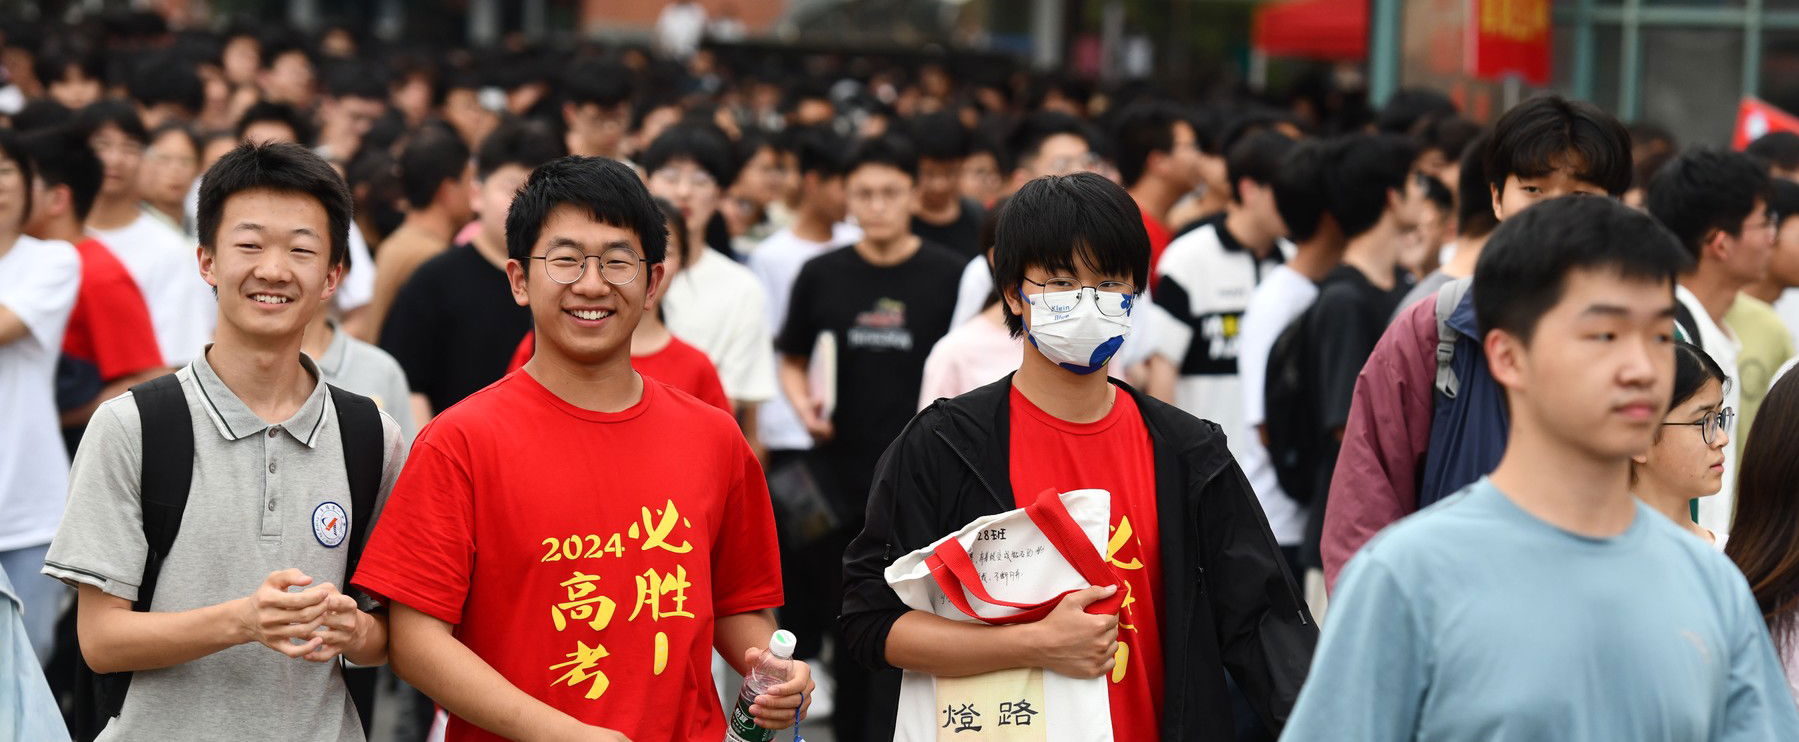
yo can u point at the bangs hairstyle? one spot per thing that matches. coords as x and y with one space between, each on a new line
522 142
1525 266
820 150
1473 200
115 113
1143 128
890 150
605 189
279 166
701 143
279 113
939 136
1055 220
1705 190
1692 368
1299 190
1547 132
1026 139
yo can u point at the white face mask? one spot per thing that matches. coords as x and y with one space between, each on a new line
1083 338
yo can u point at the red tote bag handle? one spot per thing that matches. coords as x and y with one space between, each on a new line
955 574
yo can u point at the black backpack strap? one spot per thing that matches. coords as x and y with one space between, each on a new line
359 424
1688 326
165 476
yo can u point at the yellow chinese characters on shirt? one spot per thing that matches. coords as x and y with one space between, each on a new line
1122 537
583 606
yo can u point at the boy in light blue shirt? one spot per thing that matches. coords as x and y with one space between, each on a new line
1544 602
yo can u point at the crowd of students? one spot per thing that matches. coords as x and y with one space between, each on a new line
559 388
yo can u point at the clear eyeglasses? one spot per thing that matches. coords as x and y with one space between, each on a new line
1061 294
567 264
1714 423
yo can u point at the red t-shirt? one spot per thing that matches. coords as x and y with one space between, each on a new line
1113 454
584 555
1158 238
678 364
110 325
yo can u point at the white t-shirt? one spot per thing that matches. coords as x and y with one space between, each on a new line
973 354
1282 297
1787 306
166 268
357 288
38 281
1715 511
1205 280
717 306
776 262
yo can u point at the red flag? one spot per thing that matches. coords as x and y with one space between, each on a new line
1755 118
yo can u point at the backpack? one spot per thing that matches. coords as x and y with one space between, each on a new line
1289 415
1469 419
167 474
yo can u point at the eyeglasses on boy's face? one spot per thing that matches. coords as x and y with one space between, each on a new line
1061 294
567 264
1712 424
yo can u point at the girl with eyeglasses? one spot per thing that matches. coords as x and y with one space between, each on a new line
1686 461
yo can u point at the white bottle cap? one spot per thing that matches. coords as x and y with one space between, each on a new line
781 644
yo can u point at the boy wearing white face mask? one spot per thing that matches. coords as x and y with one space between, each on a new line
1207 590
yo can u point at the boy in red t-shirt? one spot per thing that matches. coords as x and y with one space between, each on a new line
1205 587
567 546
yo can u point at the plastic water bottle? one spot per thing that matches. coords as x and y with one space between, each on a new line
775 667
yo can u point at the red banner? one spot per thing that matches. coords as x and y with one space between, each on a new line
1510 37
1755 118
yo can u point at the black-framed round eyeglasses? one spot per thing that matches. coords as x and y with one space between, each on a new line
1712 424
566 264
1061 294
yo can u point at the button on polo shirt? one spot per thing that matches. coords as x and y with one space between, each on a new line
256 487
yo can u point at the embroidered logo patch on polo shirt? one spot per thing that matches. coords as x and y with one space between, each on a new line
330 524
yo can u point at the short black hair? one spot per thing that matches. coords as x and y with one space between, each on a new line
115 113
431 156
1783 199
1027 138
1704 189
279 166
606 189
700 142
42 113
12 145
526 143
602 83
1450 135
820 150
1547 131
1525 266
1140 129
1473 199
1369 167
1777 148
280 43
1300 192
177 127
939 136
280 113
53 64
346 79
1409 106
1056 220
891 150
1257 157
166 78
1692 368
677 230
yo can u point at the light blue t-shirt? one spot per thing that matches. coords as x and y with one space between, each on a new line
1475 620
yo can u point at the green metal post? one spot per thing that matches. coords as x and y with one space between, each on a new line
1630 72
1383 51
1584 51
1752 47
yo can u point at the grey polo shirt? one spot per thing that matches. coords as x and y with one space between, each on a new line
250 511
356 366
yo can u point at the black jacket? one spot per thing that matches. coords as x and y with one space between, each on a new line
1227 600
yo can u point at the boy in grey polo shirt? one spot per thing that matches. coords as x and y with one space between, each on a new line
251 564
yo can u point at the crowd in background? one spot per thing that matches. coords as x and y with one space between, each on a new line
829 271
